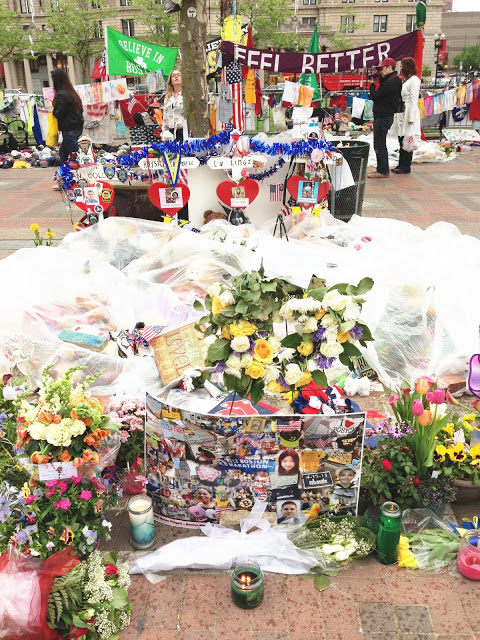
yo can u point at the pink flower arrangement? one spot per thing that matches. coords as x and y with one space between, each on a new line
85 494
63 504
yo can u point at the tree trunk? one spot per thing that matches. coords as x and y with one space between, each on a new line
193 36
226 9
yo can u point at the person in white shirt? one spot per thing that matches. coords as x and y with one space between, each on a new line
408 122
173 106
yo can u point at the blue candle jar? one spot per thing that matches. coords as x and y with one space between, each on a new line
142 526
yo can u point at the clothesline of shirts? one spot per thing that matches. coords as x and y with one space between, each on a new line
95 93
449 99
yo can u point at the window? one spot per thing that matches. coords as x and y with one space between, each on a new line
98 33
381 0
411 22
160 28
379 24
125 3
309 1
57 5
346 24
308 23
128 28
44 27
347 1
24 6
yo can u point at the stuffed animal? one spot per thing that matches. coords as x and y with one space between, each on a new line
197 513
213 215
313 512
357 386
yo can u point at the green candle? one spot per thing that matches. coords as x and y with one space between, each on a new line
247 585
389 528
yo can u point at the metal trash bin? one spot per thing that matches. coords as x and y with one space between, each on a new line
348 202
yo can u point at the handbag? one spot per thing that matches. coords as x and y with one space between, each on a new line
52 132
400 106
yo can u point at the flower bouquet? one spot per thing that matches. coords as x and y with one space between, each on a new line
47 520
90 602
455 455
66 425
238 326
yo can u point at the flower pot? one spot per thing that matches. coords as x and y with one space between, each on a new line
466 491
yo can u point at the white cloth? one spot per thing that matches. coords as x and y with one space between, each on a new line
410 91
358 106
173 113
449 100
291 92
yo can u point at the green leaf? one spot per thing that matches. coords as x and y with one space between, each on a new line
346 326
269 286
344 359
198 306
203 320
292 341
228 312
241 306
321 582
317 294
257 391
110 557
363 286
341 287
330 572
351 349
367 337
218 350
307 576
78 622
320 378
119 598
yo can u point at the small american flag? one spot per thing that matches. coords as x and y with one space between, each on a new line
151 332
323 442
103 66
276 192
327 119
285 211
132 103
233 76
337 114
251 441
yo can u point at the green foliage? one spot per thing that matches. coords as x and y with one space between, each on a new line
162 28
426 71
265 17
469 57
13 39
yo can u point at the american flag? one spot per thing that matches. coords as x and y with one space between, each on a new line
323 442
248 440
336 114
103 66
276 192
233 76
285 211
151 332
133 102
327 119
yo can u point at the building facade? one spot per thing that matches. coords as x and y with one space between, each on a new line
360 21
461 29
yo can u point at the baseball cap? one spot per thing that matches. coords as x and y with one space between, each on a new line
388 62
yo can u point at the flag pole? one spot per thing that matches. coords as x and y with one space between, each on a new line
106 51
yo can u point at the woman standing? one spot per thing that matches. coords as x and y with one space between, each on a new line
408 122
173 107
68 110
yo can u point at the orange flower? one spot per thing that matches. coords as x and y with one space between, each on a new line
39 458
64 456
78 462
95 403
99 434
57 418
22 432
74 415
90 441
44 416
86 421
90 456
425 419
424 384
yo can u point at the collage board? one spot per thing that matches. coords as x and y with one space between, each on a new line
302 466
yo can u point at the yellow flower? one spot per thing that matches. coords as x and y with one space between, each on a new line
439 453
275 387
457 453
35 228
305 348
475 452
475 463
290 397
449 429
262 351
469 417
242 328
76 225
226 332
304 380
343 337
320 314
49 234
217 305
255 370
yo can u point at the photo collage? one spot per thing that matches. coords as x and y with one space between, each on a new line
199 465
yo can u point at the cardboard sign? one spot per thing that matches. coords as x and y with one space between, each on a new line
93 198
177 351
320 479
56 471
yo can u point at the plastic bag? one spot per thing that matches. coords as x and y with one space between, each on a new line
25 585
410 143
222 548
52 133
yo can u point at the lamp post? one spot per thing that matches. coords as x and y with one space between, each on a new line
438 44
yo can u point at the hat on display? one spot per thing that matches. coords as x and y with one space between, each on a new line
388 62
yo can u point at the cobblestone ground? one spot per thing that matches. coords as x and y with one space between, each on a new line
367 600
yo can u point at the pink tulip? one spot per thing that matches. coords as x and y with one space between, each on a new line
436 397
393 399
475 404
451 399
417 408
244 173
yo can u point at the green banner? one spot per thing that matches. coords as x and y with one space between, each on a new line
129 57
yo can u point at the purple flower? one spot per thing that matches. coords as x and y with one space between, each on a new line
324 363
319 334
220 366
22 537
356 332
3 417
281 380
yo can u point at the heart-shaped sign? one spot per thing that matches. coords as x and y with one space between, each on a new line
168 198
237 196
307 192
94 198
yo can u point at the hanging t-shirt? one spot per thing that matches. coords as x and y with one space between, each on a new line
450 97
421 108
474 111
428 102
461 93
469 96
291 92
225 106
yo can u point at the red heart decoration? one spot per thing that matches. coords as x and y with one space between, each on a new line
292 186
349 423
160 194
246 190
104 197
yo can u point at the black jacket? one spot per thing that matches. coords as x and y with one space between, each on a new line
64 112
387 96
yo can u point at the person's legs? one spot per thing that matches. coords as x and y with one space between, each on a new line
380 130
405 160
69 144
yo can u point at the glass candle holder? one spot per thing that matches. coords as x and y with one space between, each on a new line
468 560
247 585
142 526
388 536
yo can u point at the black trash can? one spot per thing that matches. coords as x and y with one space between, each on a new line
348 202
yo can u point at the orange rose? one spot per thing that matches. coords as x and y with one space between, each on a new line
78 462
86 421
22 432
44 416
95 403
90 456
90 441
64 456
39 458
57 418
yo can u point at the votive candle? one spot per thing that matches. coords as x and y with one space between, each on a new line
247 585
388 536
142 527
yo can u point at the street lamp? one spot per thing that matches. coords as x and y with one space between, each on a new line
438 44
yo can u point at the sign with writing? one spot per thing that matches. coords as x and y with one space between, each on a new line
320 479
157 163
249 465
177 351
129 57
90 172
331 62
56 471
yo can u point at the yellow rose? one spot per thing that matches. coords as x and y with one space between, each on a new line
305 348
320 314
343 336
262 351
242 328
38 431
255 370
217 305
304 380
276 387
226 332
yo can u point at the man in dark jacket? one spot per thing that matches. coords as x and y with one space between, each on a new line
385 103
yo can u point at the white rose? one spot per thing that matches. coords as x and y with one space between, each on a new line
311 365
331 349
54 434
352 310
246 360
38 431
331 333
76 428
233 362
275 343
240 344
214 289
9 393
227 298
271 373
327 320
293 373
310 325
334 300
